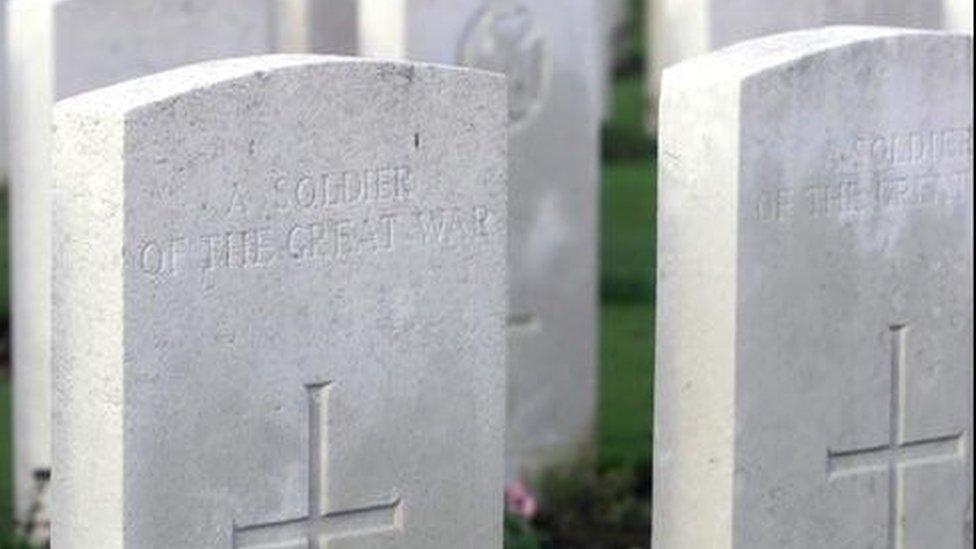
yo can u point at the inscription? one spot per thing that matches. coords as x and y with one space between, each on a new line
333 217
880 173
344 188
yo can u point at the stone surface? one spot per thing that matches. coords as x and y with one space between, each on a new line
814 371
59 48
682 29
551 49
317 26
959 15
3 93
280 308
615 16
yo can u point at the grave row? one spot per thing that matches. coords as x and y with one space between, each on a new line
291 295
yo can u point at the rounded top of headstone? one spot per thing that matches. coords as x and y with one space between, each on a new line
752 57
141 93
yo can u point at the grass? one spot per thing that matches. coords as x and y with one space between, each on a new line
6 466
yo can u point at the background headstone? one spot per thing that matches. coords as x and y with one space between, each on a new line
682 29
814 372
59 48
279 308
615 16
959 15
3 93
317 26
551 52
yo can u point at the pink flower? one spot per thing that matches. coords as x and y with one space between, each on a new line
520 501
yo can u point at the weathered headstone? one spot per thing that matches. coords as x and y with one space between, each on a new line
550 51
317 26
815 294
280 307
682 29
59 48
3 93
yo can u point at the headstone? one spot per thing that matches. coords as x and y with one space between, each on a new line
682 29
814 372
59 48
550 51
317 26
959 15
3 93
279 308
615 17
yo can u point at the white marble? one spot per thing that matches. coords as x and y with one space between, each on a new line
814 370
317 26
551 53
279 308
3 94
682 29
58 48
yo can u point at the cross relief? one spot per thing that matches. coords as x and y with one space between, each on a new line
321 524
899 453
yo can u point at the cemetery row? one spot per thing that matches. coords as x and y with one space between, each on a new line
298 299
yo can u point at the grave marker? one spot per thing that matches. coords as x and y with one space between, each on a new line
59 48
317 26
279 307
814 364
678 30
550 50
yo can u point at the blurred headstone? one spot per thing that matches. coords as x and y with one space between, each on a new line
58 48
317 26
551 52
4 130
959 15
681 29
615 14
814 372
279 308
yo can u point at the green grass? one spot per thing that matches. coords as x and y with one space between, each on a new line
627 351
628 232
4 257
6 467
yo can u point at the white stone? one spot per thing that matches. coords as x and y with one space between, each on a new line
59 48
280 307
317 26
814 372
3 93
614 17
959 15
682 29
552 49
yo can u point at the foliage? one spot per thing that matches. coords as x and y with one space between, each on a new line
10 541
520 534
585 507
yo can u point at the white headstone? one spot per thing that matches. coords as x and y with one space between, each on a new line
551 50
814 378
3 93
279 308
317 26
959 15
59 48
682 29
